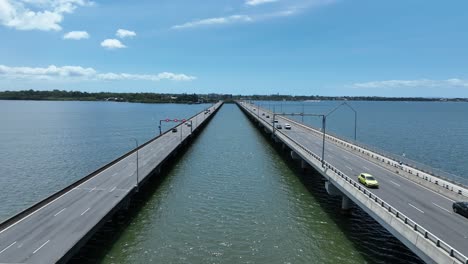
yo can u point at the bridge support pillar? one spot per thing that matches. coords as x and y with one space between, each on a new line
332 190
294 155
304 164
283 146
275 139
346 205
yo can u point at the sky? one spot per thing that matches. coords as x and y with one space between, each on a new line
300 47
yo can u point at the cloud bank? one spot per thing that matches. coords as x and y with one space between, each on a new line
45 15
53 72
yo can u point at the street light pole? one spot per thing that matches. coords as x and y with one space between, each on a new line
302 113
324 122
355 116
137 180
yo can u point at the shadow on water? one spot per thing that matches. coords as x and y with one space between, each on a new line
372 240
102 241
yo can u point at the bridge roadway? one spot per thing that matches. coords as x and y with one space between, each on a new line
429 209
48 233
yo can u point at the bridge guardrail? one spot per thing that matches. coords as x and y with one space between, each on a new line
412 163
391 210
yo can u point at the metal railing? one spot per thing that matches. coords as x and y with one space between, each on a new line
391 210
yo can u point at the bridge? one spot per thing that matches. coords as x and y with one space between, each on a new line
413 205
55 228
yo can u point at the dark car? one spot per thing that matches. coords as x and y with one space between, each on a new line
174 130
461 208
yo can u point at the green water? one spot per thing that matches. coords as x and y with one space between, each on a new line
233 198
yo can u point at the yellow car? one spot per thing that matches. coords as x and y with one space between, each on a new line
368 180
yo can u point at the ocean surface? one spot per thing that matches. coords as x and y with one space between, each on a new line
232 197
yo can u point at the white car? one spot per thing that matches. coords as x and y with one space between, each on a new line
287 126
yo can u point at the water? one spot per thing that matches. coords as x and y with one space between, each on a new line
47 145
231 197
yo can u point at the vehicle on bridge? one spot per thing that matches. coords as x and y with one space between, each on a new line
174 130
278 126
267 116
461 208
368 180
287 126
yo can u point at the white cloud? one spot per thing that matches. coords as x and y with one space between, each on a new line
43 15
214 21
123 33
112 44
420 83
53 72
76 35
258 2
290 10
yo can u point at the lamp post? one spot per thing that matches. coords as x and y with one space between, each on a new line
324 124
302 116
355 116
137 180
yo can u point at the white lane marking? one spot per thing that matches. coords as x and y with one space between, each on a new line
60 211
366 168
33 212
85 211
7 247
331 156
114 174
395 183
22 219
113 189
346 158
40 247
393 173
416 208
442 208
92 189
349 167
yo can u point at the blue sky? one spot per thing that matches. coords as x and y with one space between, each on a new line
298 47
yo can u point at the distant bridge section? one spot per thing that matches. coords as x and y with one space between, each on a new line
415 206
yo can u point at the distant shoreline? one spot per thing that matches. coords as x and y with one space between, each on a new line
57 95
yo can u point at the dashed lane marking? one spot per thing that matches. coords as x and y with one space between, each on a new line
85 211
41 247
416 208
7 247
60 211
442 208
